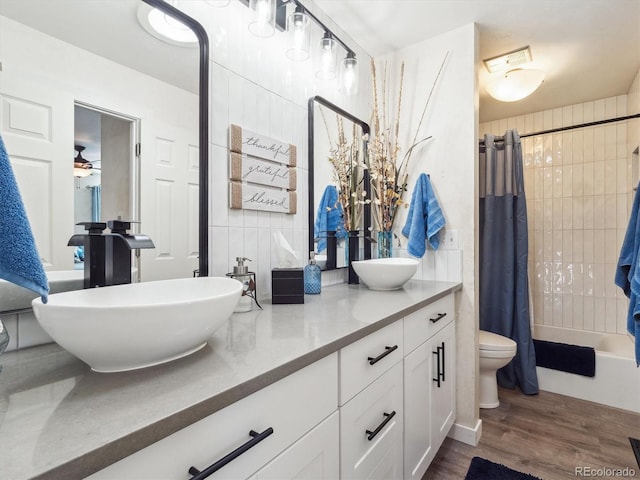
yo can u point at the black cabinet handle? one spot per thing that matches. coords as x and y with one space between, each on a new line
443 362
256 438
388 416
387 351
439 317
438 376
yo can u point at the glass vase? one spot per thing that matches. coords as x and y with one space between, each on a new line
385 244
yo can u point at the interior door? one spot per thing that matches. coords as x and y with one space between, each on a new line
169 187
36 124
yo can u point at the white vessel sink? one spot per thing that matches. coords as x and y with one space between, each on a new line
386 273
125 327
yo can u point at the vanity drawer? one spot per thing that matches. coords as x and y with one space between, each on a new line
368 358
420 325
371 430
291 407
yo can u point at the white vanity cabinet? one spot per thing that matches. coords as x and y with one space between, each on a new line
278 416
429 383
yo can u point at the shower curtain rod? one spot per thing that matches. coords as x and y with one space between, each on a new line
572 127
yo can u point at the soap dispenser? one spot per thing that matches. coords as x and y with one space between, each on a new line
312 276
248 279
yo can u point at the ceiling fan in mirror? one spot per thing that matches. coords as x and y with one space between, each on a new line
81 166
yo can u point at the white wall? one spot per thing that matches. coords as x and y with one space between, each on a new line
254 85
451 159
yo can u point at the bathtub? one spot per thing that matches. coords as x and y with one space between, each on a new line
617 379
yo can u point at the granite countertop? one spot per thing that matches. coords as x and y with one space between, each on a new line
59 419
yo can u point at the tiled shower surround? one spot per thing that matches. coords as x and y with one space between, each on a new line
579 190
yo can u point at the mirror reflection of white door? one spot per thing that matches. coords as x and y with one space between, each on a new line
36 124
169 192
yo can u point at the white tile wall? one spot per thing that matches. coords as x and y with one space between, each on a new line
579 193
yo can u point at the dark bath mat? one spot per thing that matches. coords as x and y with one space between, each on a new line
482 469
565 357
635 446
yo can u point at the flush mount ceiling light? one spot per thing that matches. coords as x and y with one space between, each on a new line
165 27
515 84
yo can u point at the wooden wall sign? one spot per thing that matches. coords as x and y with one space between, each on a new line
244 168
262 172
256 197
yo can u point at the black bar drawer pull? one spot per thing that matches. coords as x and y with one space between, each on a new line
388 416
387 351
443 362
256 438
438 374
439 317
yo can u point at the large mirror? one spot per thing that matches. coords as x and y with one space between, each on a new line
103 120
339 187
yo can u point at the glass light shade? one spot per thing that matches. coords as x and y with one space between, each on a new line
81 172
264 22
166 28
349 74
217 3
299 28
327 58
515 84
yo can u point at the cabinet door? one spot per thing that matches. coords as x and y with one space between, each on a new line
417 404
443 393
315 456
371 429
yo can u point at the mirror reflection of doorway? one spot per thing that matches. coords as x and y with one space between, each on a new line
104 169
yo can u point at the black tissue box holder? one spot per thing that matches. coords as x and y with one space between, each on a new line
287 285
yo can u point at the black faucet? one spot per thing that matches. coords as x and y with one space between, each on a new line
107 256
94 253
118 245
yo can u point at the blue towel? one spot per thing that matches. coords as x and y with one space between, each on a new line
19 260
328 218
425 218
628 274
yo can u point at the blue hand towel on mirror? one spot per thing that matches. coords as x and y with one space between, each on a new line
628 274
19 260
328 217
425 218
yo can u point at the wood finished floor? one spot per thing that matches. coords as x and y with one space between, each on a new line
545 435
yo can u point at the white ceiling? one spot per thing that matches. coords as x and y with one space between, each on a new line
589 49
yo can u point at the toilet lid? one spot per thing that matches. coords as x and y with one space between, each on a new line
493 341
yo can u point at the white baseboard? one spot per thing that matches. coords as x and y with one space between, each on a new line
464 434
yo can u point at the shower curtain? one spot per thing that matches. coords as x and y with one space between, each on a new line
504 287
96 203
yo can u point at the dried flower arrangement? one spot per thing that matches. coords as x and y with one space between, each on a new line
387 170
348 166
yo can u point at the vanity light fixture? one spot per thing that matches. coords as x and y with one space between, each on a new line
166 28
218 3
349 74
515 84
299 29
328 57
263 24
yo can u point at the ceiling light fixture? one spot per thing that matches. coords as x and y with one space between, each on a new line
81 166
299 28
515 84
263 24
166 28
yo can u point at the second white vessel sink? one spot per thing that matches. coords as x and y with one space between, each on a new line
386 273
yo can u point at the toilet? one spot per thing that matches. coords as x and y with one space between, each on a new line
495 352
